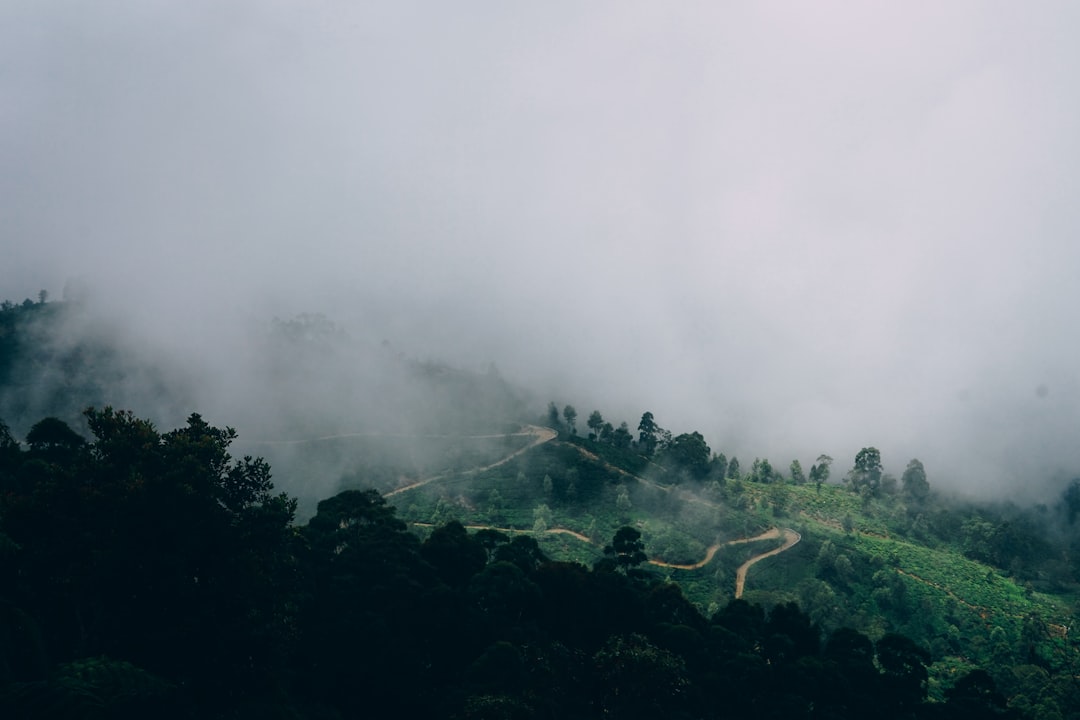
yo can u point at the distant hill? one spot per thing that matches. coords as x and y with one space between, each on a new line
283 385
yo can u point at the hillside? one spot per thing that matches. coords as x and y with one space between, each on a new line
152 574
974 586
317 402
879 564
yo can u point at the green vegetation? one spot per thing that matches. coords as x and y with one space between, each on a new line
151 574
483 568
875 555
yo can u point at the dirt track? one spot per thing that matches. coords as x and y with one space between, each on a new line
511 531
767 535
790 538
540 436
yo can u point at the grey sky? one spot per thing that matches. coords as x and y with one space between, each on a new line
796 227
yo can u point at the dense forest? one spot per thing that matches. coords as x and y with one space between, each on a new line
499 569
149 573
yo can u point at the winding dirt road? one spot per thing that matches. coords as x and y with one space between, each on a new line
767 535
790 538
511 531
701 563
539 434
542 435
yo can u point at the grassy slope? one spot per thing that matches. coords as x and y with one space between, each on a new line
963 610
940 571
678 527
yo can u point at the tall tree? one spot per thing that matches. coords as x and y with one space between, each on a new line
913 483
622 438
718 467
570 415
762 471
553 416
648 433
627 548
819 472
595 423
542 517
797 475
865 476
690 453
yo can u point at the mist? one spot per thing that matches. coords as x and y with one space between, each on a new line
797 230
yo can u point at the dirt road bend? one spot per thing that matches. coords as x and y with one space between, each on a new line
767 535
790 538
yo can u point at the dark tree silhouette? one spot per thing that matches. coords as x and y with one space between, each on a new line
626 548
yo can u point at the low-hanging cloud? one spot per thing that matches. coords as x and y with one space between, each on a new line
795 229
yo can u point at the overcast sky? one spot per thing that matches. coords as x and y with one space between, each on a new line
796 227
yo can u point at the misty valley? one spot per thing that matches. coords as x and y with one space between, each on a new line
330 528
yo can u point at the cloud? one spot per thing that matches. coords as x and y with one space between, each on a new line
795 229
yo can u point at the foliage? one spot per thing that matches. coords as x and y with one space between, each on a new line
688 452
865 477
914 484
797 475
819 471
570 415
139 540
595 423
626 549
177 569
649 433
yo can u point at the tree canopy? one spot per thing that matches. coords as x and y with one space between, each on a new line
152 574
689 452
865 476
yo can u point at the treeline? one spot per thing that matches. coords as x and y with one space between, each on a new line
688 457
1034 544
300 377
14 317
9 307
686 454
150 574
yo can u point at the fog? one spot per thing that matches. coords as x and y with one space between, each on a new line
797 228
